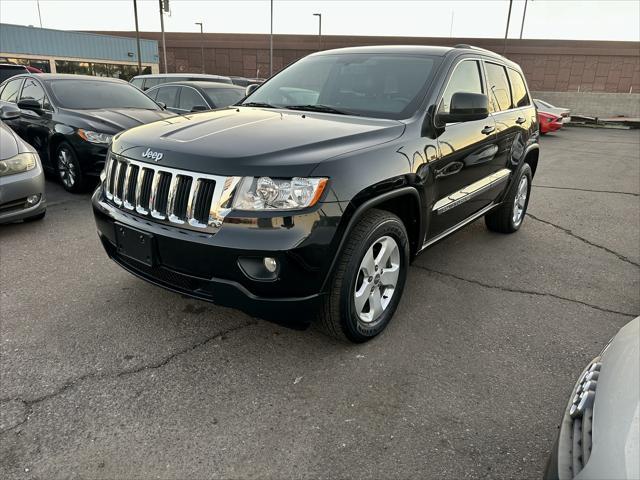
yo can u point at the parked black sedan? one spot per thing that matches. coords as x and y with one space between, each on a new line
70 119
195 96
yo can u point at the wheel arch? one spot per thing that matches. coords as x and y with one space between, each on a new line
531 158
404 202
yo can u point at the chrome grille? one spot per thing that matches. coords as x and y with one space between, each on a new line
168 195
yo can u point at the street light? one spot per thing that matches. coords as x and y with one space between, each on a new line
524 14
135 14
201 44
319 15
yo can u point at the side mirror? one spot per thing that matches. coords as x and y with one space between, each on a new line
30 104
162 105
199 108
251 88
466 107
9 112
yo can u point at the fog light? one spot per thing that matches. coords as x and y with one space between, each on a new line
33 199
271 264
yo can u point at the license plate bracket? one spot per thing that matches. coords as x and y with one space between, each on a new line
134 244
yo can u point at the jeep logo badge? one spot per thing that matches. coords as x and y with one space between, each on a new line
155 156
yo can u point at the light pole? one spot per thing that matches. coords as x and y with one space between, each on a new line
319 15
506 32
201 44
524 14
39 15
163 6
135 14
271 44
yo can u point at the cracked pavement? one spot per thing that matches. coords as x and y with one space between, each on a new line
105 376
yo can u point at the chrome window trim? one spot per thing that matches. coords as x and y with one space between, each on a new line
470 191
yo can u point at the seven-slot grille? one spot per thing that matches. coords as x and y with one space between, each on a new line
168 195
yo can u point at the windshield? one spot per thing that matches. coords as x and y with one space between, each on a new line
89 94
372 85
223 97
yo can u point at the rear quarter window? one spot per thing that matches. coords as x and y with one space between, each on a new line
519 90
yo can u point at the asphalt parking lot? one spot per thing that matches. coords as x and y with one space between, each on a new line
104 375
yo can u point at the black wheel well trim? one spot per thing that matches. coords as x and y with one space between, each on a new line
362 209
529 153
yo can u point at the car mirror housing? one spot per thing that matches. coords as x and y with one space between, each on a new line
251 88
466 107
9 112
30 104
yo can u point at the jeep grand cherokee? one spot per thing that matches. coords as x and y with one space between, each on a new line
312 195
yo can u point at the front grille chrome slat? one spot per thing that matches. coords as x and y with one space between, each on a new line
170 196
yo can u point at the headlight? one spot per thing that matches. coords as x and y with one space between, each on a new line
266 193
94 137
22 162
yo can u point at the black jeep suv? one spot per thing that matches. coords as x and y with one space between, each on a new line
320 187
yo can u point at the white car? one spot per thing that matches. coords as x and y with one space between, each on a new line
546 107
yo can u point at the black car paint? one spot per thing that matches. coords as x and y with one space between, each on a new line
390 164
45 129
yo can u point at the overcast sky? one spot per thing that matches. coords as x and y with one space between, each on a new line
546 19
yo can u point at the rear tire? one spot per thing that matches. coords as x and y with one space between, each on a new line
509 216
365 292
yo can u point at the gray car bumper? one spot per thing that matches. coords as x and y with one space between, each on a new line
14 191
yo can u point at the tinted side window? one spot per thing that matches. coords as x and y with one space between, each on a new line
499 91
137 82
189 98
34 91
152 94
10 92
151 82
167 95
466 78
520 95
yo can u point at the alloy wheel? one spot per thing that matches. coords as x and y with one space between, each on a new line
66 168
520 201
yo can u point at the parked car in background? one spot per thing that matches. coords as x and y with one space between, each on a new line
70 119
145 82
8 70
245 82
21 176
185 97
296 210
599 435
549 122
546 107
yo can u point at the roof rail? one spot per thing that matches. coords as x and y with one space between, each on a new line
473 47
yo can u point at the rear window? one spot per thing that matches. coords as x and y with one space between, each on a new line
137 82
89 94
8 71
223 97
10 92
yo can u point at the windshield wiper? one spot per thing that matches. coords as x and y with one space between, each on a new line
257 104
319 108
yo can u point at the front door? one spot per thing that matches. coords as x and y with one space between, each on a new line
467 151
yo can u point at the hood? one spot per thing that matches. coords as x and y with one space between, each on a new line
616 409
254 141
8 142
114 120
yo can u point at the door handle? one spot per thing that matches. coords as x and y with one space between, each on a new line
521 120
488 129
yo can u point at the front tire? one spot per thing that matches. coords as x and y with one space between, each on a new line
509 216
369 278
68 168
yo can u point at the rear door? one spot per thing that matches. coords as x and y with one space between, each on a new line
169 96
466 153
524 113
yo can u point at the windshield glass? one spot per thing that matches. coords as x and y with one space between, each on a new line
372 85
223 97
88 94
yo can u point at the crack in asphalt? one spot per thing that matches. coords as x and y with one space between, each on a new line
587 190
29 404
523 291
584 240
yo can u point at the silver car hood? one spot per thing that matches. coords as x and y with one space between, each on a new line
615 450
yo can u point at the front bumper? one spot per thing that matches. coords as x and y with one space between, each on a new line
212 266
14 190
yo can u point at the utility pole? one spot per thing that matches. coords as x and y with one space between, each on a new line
524 14
135 14
39 15
506 32
271 44
201 44
319 15
164 5
451 27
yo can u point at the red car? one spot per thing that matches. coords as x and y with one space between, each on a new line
549 122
